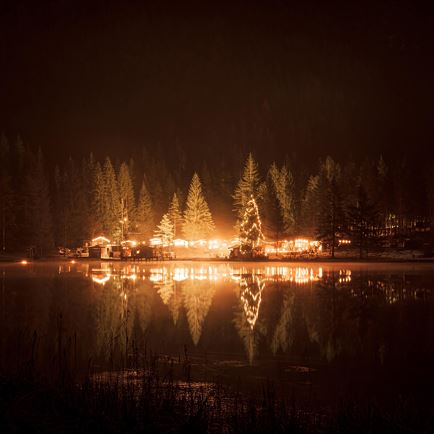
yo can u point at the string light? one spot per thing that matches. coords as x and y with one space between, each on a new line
250 231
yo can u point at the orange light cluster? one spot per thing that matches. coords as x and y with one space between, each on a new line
299 245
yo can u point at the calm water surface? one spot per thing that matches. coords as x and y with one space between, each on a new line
326 328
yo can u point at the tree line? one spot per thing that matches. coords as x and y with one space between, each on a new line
371 202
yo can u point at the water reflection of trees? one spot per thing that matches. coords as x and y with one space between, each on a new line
194 290
170 294
122 316
341 314
247 311
198 295
283 335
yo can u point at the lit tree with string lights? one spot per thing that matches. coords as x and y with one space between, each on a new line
250 229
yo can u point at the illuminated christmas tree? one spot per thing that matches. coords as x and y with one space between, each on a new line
249 185
250 229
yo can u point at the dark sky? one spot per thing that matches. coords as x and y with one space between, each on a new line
264 76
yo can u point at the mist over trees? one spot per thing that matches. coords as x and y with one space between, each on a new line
372 202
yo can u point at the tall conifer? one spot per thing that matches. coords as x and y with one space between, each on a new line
198 222
127 197
175 215
144 213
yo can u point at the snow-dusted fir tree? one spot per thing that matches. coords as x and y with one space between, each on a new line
98 197
331 221
144 212
310 206
175 215
282 187
127 197
111 202
38 205
279 216
249 185
165 230
198 222
250 228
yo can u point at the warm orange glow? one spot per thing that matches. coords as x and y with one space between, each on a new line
155 242
100 239
24 262
299 245
180 243
101 281
170 274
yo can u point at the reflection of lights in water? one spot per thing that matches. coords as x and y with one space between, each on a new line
344 276
298 275
251 301
394 292
167 274
180 274
101 281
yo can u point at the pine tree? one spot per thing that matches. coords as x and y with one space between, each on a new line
331 218
112 204
165 230
22 162
310 206
272 217
144 213
127 197
175 215
98 200
198 222
285 194
75 201
7 211
429 185
38 217
279 202
87 171
59 208
249 185
250 229
382 192
363 219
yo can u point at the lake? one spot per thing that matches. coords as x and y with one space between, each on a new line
318 331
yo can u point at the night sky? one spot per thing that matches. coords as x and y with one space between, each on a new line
270 77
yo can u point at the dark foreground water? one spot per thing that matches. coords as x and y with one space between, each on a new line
318 332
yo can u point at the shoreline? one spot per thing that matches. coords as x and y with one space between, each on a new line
16 259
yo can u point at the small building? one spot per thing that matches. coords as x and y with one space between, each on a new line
98 247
